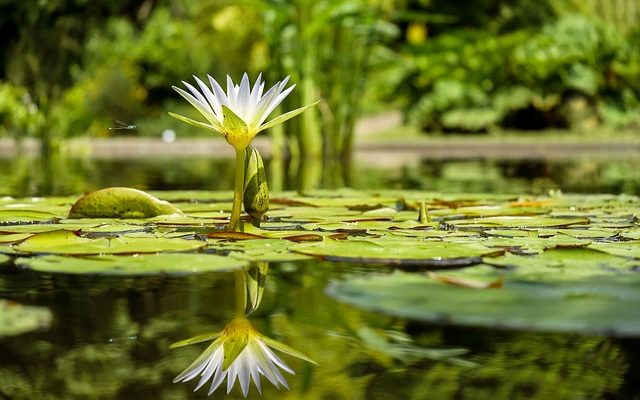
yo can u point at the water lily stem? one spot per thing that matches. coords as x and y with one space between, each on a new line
241 293
238 190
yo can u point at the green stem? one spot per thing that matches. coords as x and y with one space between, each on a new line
238 190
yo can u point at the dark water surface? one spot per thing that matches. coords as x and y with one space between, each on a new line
64 176
110 337
110 340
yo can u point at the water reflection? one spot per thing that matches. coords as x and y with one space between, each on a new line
239 351
63 175
89 352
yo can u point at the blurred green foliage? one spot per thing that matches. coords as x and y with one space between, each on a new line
533 65
75 66
19 115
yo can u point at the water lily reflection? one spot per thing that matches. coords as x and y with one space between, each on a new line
240 352
243 354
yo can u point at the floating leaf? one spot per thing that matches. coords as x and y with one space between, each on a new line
144 264
398 252
520 222
14 237
625 249
612 306
68 242
270 250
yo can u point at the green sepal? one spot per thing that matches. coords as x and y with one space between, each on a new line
231 122
285 349
193 122
196 339
232 348
287 116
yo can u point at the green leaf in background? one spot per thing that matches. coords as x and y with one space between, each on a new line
144 264
16 319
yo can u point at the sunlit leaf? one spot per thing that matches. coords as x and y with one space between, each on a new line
68 242
144 264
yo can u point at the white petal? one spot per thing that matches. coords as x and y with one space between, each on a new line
243 97
217 90
196 93
213 101
204 109
263 104
232 93
273 357
255 94
218 378
215 362
243 373
274 104
232 373
254 368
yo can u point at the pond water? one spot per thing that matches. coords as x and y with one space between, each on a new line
109 337
65 176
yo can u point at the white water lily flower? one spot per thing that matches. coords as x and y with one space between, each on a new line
240 113
241 353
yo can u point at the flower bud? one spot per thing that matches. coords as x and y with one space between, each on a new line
256 191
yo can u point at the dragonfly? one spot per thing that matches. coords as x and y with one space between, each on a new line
119 125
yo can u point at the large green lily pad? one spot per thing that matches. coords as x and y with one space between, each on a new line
398 252
68 242
612 306
16 319
143 264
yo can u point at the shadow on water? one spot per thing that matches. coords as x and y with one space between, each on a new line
110 339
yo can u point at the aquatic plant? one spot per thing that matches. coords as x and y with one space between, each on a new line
238 115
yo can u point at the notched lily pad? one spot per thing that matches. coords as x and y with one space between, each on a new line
120 202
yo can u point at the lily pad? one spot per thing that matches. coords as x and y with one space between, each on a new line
68 242
268 250
144 264
16 319
398 252
625 249
520 222
612 306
